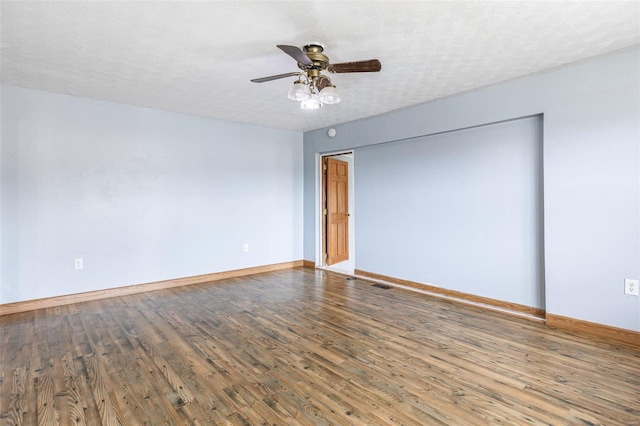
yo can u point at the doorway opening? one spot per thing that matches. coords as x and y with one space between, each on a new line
336 242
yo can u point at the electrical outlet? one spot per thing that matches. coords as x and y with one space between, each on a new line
245 247
79 264
631 287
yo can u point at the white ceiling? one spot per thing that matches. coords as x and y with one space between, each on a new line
198 57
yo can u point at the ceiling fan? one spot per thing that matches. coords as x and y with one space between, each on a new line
312 88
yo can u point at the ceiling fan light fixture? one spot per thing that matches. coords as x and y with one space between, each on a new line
299 91
312 88
312 103
329 95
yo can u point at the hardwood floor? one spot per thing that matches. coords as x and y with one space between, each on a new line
305 347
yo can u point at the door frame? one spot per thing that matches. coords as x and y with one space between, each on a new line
349 265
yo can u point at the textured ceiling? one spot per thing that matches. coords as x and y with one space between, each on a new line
198 57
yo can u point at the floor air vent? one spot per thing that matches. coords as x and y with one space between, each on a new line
382 286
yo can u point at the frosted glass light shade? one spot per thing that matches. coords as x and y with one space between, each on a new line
299 91
312 103
329 95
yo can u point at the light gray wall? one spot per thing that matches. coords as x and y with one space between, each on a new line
591 168
140 195
460 210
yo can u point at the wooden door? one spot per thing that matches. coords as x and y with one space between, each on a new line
337 211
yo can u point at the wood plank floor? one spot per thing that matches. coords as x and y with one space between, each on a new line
305 347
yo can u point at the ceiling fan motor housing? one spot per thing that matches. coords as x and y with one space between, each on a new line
320 61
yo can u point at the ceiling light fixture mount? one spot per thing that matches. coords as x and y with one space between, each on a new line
313 89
